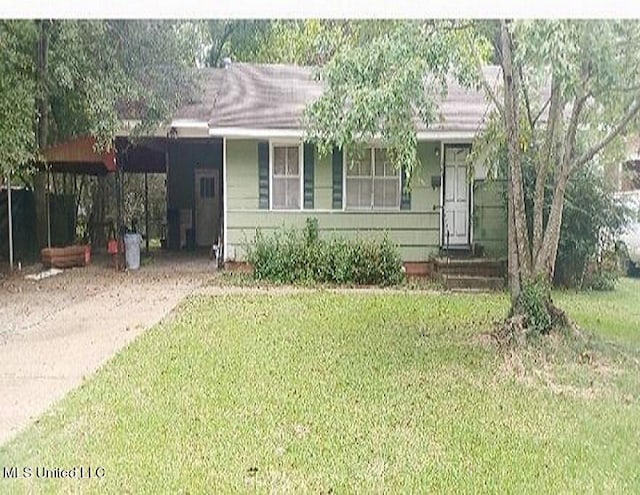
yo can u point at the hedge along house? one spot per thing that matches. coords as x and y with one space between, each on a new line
272 178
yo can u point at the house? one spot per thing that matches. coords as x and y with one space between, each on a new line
626 181
236 160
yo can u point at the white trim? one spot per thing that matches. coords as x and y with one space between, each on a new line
344 180
247 133
225 210
453 142
336 212
471 208
286 143
466 136
373 208
192 123
186 128
270 175
441 228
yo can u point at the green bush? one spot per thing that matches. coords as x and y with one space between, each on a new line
592 217
533 302
298 256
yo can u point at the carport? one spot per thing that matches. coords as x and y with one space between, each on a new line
193 185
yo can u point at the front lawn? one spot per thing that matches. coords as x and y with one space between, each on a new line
322 392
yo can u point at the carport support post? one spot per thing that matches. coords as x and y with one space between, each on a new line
48 206
118 204
10 214
146 213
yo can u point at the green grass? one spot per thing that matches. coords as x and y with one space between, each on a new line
352 393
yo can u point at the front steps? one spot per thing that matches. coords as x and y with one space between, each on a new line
459 274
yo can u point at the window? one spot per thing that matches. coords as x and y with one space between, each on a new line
286 177
206 187
372 181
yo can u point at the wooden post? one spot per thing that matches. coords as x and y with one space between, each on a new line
48 196
10 214
146 212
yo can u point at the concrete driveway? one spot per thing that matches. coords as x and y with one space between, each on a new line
57 331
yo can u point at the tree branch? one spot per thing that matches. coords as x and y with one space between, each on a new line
489 91
214 60
525 94
539 114
544 164
632 112
570 138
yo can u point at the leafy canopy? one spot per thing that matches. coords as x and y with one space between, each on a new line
17 87
378 91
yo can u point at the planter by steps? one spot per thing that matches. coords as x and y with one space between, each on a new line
66 257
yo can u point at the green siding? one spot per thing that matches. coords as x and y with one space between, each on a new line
490 218
416 230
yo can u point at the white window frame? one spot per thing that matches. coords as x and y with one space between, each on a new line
372 149
289 143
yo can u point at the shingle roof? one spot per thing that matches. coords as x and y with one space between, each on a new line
210 81
260 96
464 109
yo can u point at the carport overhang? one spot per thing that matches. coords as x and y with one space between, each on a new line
79 156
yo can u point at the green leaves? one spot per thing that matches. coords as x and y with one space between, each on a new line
380 91
17 87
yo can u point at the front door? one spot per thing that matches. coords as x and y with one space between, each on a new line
456 196
207 194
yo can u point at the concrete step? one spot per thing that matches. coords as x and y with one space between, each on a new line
478 267
471 282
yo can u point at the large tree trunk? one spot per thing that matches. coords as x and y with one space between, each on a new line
546 259
512 260
546 160
42 102
512 125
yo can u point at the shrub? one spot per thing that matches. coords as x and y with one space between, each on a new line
533 302
592 217
293 256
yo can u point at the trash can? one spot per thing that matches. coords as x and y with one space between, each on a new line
132 250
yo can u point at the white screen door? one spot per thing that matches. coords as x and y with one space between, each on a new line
207 193
456 196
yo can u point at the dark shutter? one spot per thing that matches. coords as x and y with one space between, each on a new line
337 179
405 199
263 175
308 157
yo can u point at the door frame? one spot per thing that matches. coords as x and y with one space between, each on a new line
443 146
217 175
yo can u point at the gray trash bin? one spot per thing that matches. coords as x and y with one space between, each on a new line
132 250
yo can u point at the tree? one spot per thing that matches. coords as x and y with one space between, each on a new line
17 139
593 97
570 89
374 90
301 42
69 78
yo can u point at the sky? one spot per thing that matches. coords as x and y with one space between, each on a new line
319 8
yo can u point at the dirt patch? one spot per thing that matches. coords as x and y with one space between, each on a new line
56 331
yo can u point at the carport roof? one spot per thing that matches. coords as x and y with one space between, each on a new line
80 156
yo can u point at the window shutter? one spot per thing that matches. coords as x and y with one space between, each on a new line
263 175
337 179
308 157
405 199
